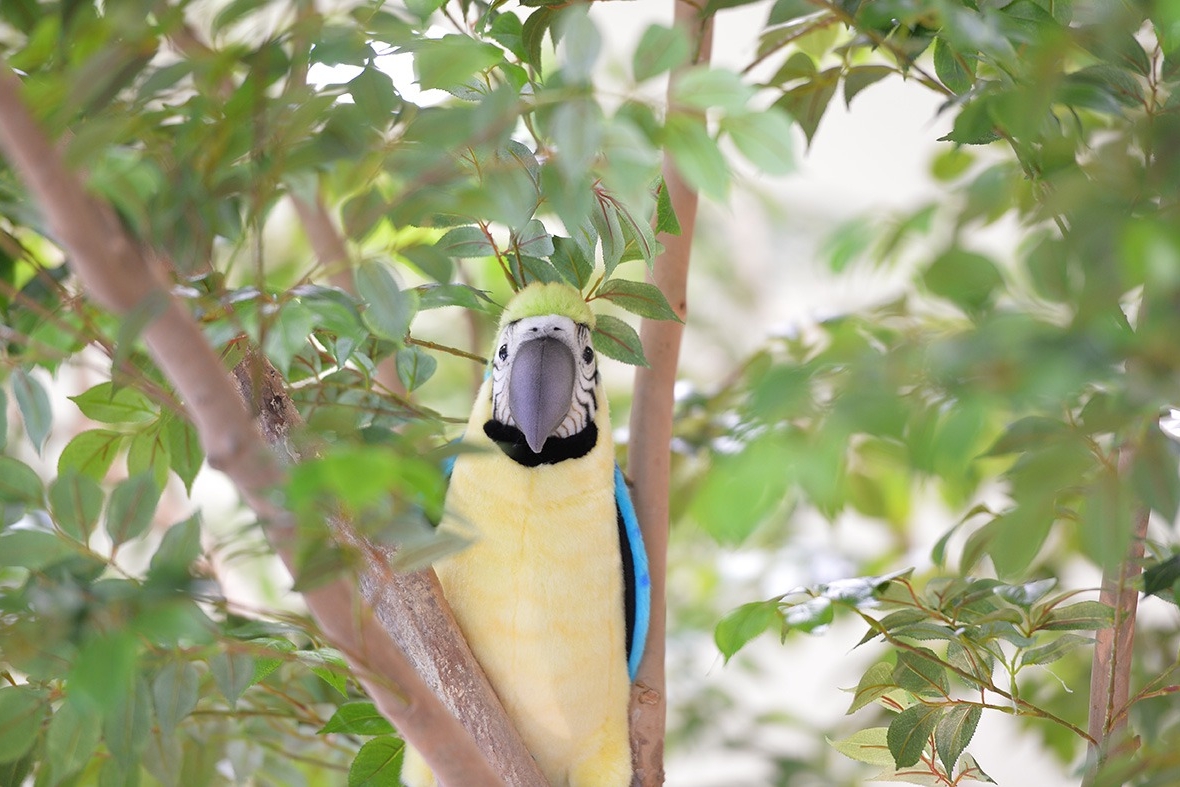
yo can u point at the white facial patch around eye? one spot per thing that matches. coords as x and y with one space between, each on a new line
584 401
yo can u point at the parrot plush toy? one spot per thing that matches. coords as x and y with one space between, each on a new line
553 595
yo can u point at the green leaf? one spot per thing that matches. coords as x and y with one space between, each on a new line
73 736
910 731
1154 475
133 324
508 31
431 261
951 163
575 128
128 724
373 92
640 239
666 220
616 339
967 279
110 405
359 717
660 49
743 624
451 60
175 692
22 710
1047 654
924 676
764 138
378 763
163 758
796 67
640 298
1029 433
713 6
974 125
571 262
148 454
741 490
233 673
955 70
784 11
90 453
1027 594
75 501
466 242
415 366
808 616
605 219
533 240
1017 536
265 665
580 43
184 449
131 508
1082 616
33 549
954 731
696 155
808 102
874 684
1161 577
329 666
390 309
702 87
857 78
34 406
3 419
436 296
869 746
179 547
532 35
287 333
19 483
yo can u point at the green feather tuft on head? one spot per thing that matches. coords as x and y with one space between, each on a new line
539 299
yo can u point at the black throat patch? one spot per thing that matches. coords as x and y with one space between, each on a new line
556 449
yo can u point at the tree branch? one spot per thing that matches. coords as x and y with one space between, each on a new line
1110 675
120 278
651 437
411 607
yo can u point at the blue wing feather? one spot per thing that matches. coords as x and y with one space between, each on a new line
634 543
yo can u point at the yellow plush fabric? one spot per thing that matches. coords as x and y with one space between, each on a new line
539 596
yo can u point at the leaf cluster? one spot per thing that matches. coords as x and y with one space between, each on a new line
951 641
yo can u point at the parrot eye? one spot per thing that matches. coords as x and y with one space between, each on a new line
587 355
503 352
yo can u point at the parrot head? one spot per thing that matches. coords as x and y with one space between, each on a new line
544 372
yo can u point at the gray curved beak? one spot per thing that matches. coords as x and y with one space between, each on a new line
541 388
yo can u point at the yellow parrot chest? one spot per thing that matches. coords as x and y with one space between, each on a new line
539 598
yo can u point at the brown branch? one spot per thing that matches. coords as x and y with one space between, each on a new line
411 607
118 277
1110 675
650 444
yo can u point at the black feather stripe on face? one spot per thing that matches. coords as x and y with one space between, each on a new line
511 441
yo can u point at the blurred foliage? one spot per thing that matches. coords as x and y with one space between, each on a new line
1024 393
